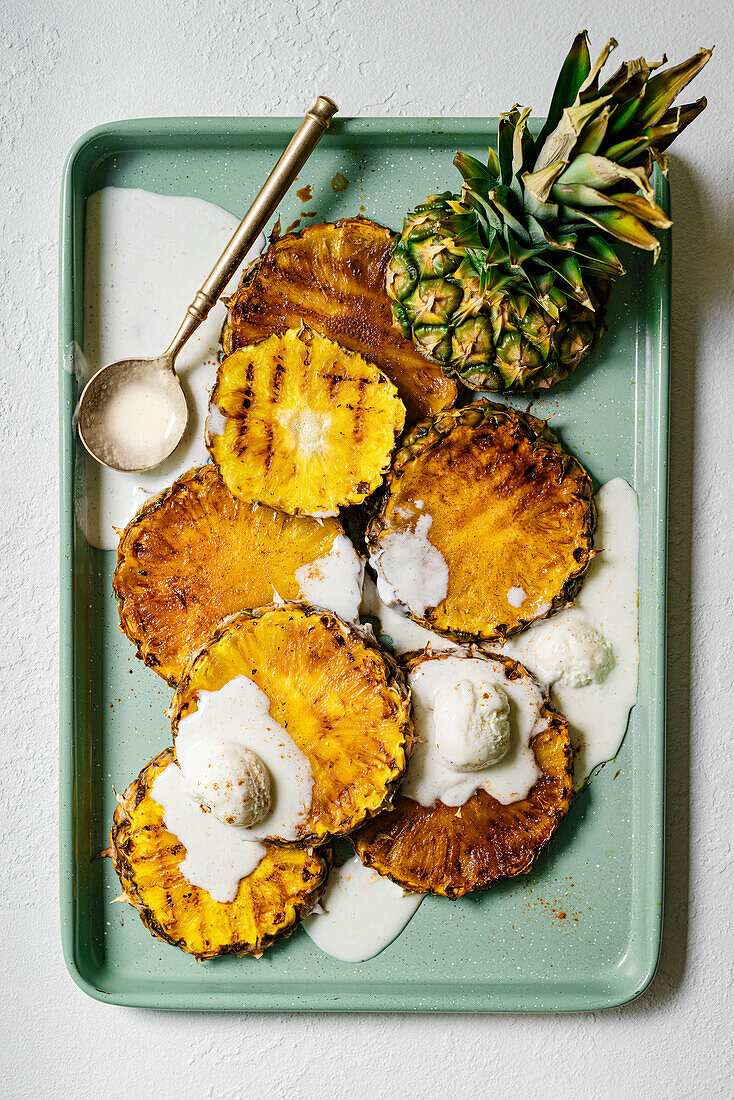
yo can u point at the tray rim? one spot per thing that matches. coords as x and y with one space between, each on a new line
321 998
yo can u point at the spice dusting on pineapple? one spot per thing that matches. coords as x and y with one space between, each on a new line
504 513
506 283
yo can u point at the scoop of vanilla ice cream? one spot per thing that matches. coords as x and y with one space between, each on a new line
229 780
471 725
571 651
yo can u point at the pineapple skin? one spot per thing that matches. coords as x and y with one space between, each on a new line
449 446
342 698
270 902
435 850
493 341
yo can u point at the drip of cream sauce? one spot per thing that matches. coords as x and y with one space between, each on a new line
411 571
240 713
334 581
399 632
361 913
144 257
608 601
218 856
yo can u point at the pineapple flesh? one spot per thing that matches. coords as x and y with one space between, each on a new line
301 424
195 554
332 277
509 511
439 850
269 904
505 284
342 700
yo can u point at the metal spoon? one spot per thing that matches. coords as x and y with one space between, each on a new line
132 414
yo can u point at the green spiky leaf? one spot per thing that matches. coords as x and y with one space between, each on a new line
574 72
665 86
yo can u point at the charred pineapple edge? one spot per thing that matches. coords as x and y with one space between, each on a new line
122 820
429 433
125 620
250 272
556 723
394 683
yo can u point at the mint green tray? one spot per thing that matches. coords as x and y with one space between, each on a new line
583 930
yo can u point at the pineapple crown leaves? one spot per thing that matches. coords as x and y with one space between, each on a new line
539 217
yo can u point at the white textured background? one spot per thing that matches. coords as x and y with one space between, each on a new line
68 66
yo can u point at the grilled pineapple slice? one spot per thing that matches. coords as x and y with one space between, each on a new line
332 276
439 850
269 904
301 424
194 554
511 514
340 697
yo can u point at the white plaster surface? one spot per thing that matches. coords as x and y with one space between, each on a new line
66 67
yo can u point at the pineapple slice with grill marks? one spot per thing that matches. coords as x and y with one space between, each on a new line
270 902
302 424
332 277
340 697
511 513
195 554
441 850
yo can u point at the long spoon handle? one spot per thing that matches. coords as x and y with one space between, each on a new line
299 149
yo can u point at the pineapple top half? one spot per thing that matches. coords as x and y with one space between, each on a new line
505 284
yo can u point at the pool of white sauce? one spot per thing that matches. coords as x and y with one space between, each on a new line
608 601
218 856
240 713
360 913
145 257
334 581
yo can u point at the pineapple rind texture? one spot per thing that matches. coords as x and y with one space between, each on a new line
439 850
341 698
309 427
506 283
270 902
509 509
332 277
195 554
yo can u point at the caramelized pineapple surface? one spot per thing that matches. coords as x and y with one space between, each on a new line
509 511
341 699
194 554
269 904
332 276
301 424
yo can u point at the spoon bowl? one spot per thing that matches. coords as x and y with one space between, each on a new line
133 413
